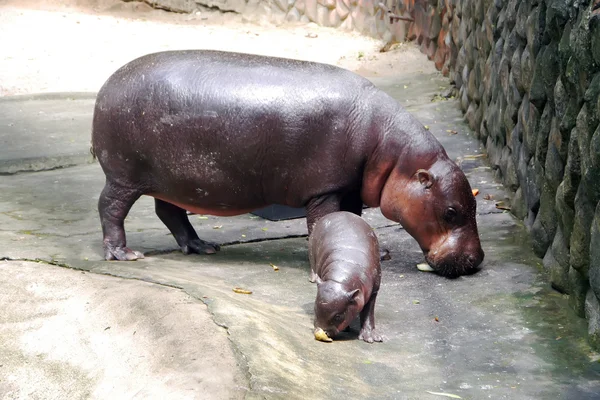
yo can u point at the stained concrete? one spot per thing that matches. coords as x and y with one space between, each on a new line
502 333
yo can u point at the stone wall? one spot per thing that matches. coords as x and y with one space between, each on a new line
528 72
364 16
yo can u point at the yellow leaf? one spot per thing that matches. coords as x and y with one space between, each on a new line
452 396
275 267
241 291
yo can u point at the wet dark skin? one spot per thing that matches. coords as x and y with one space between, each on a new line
226 133
344 261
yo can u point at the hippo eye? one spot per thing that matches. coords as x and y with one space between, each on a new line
451 215
337 318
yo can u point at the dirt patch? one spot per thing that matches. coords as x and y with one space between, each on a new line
75 45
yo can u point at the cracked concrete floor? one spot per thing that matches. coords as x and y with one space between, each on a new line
502 333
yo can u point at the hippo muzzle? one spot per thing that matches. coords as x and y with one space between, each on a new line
455 257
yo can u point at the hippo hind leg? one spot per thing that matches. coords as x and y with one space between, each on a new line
113 206
176 219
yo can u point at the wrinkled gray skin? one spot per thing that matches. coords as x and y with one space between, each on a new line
225 133
344 261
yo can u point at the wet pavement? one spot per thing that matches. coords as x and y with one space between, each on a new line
502 333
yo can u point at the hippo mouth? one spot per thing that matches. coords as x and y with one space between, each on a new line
453 265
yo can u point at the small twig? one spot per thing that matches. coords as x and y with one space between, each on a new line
393 16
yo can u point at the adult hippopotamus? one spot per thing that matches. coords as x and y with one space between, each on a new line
225 133
344 261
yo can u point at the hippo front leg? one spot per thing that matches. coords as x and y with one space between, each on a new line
176 219
113 206
367 322
320 206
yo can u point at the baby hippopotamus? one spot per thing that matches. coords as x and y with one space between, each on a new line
344 261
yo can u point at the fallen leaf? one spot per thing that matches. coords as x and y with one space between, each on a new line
473 156
107 328
424 267
427 127
416 302
452 396
311 35
217 226
475 192
241 291
264 229
275 267
202 217
501 206
437 319
451 131
488 197
559 337
405 87
243 235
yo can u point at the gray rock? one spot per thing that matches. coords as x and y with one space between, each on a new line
530 117
557 15
300 5
464 99
335 20
566 215
342 9
435 26
584 135
592 314
310 10
593 90
572 175
594 25
556 262
532 188
594 267
535 27
517 205
542 134
283 5
527 68
578 288
544 227
565 47
322 15
554 167
580 237
521 23
293 15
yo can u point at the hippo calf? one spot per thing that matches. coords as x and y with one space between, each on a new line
225 133
344 261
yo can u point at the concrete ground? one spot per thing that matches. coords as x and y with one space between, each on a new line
170 326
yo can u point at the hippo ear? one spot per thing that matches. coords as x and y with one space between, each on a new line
425 178
354 296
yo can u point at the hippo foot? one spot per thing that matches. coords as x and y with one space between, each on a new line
384 255
121 254
199 246
370 336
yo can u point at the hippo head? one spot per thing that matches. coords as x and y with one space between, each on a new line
436 206
335 307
